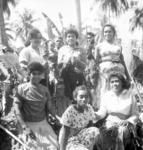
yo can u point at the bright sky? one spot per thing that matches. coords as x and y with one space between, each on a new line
68 10
53 7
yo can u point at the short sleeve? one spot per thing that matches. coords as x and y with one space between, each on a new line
67 117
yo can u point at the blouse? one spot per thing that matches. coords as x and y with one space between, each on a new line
32 101
77 120
119 107
29 55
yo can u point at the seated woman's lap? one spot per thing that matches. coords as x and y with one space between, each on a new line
87 137
75 146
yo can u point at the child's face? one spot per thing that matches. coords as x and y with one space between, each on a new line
35 77
82 98
58 43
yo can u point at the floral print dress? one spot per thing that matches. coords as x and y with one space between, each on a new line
80 137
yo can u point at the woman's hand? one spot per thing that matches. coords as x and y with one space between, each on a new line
124 123
28 132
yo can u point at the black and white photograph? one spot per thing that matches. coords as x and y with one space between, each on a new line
71 74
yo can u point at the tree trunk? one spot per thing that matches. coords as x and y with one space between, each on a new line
3 37
78 14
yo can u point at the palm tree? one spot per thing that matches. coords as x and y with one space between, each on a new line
78 15
114 6
9 31
98 31
62 24
137 19
51 25
4 7
24 24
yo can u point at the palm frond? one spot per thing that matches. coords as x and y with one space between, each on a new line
6 5
9 36
116 6
135 21
51 23
125 4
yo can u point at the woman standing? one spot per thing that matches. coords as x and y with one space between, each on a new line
70 63
119 106
108 56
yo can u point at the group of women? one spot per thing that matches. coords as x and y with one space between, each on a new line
112 101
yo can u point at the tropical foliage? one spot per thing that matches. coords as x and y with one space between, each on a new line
50 26
116 6
137 19
4 7
24 24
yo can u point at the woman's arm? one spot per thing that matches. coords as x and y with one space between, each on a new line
134 111
97 54
17 107
124 64
63 137
102 112
49 105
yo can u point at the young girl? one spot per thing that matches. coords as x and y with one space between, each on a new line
32 106
75 133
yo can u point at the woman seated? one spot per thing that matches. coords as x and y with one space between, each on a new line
32 107
75 133
119 106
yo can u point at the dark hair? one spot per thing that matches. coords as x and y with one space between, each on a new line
35 66
32 34
73 31
90 33
78 88
125 82
58 37
111 26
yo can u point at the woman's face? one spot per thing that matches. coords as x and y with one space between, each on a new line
36 42
35 77
71 39
82 98
115 84
109 34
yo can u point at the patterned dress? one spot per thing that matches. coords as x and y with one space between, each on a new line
80 137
